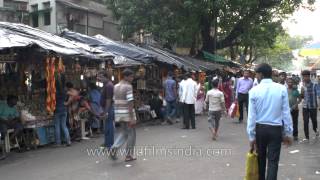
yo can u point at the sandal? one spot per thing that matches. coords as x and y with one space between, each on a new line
130 158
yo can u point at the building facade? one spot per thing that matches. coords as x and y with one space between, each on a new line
15 11
83 16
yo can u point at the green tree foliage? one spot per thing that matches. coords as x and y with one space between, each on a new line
280 54
209 24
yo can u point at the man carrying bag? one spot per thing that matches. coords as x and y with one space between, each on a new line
269 121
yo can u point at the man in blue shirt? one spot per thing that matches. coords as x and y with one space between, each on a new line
244 85
170 89
269 121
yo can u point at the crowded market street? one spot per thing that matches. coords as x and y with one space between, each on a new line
221 159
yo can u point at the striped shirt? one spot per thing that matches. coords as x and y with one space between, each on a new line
123 95
309 95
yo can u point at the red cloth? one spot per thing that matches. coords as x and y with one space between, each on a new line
226 88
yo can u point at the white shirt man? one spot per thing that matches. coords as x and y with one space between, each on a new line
189 96
189 93
181 89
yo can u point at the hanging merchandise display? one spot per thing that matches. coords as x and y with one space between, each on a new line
51 85
48 100
61 67
202 77
141 82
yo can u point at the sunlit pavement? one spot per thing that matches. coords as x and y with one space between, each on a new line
164 152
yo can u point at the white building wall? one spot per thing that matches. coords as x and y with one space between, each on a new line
52 28
98 23
1 3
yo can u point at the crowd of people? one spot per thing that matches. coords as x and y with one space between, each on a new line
270 99
273 115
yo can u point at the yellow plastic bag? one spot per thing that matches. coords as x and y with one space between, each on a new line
238 112
252 170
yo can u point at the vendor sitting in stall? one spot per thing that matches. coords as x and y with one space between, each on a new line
9 117
157 108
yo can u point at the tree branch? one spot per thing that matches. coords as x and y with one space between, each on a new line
240 27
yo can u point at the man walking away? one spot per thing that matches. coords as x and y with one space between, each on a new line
125 116
189 98
243 87
294 101
215 101
309 94
170 90
107 105
181 89
268 120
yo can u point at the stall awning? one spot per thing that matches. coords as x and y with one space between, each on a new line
116 48
218 59
119 58
187 65
20 35
125 50
204 65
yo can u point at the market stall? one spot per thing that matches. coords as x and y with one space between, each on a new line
31 65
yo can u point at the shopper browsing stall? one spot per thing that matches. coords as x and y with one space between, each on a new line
170 92
60 116
9 117
94 97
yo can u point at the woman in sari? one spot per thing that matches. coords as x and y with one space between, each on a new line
225 86
199 106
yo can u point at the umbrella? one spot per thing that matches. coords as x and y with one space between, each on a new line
310 50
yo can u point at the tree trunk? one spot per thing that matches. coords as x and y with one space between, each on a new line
207 40
193 50
252 57
251 54
245 51
232 53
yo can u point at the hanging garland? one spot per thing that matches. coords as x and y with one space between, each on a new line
51 85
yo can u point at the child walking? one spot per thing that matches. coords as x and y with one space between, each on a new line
216 102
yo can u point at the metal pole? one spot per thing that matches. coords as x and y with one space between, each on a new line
87 22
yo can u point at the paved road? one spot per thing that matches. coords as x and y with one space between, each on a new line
222 159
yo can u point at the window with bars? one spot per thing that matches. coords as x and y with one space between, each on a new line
46 13
35 15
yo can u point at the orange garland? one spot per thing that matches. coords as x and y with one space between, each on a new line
48 100
51 85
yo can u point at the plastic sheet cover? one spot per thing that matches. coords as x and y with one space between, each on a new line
19 35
